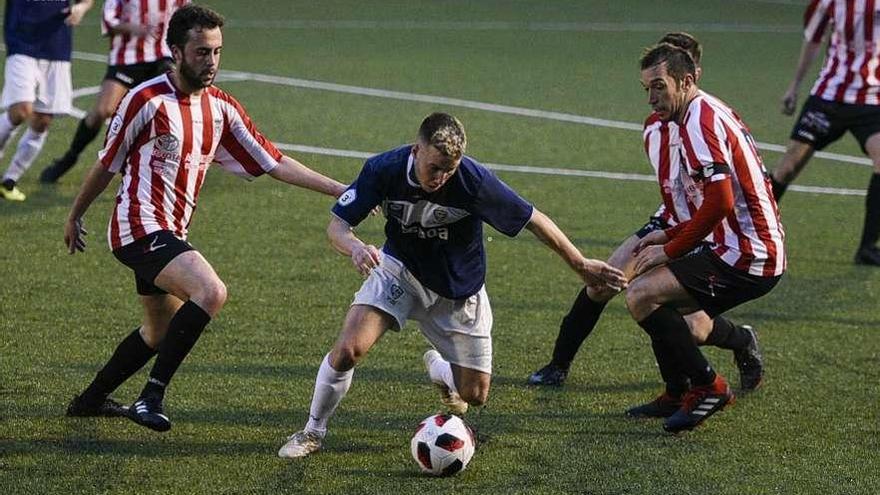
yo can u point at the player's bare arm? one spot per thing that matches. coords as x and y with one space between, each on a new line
94 184
132 29
593 272
297 174
77 11
809 52
363 256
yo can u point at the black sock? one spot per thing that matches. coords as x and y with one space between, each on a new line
871 228
8 184
726 335
183 331
676 382
668 326
81 138
131 355
778 188
575 327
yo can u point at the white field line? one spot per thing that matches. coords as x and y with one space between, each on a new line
248 76
363 155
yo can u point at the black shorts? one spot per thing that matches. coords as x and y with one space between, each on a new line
134 74
822 122
715 285
654 223
148 255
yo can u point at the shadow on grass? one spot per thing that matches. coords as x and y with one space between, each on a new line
39 198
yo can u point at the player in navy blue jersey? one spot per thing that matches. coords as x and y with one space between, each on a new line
432 268
37 83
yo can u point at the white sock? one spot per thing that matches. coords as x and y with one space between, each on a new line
440 371
330 387
7 129
28 148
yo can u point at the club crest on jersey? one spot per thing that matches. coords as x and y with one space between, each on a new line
168 143
347 197
441 214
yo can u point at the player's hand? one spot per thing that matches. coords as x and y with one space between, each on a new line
653 238
75 14
596 272
789 101
648 258
365 257
74 235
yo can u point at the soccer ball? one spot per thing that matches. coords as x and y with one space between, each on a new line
442 445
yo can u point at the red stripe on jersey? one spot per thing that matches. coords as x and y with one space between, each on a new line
115 239
182 179
849 14
162 126
158 45
753 201
707 128
134 206
207 139
231 143
663 171
135 105
847 79
144 18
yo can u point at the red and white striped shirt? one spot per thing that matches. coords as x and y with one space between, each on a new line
851 73
154 14
751 237
162 141
662 145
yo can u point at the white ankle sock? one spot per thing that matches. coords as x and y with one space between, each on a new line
28 148
441 371
330 387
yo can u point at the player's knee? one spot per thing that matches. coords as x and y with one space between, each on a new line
213 297
345 356
601 294
637 298
41 122
475 395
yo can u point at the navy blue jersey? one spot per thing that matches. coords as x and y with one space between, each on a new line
37 29
438 236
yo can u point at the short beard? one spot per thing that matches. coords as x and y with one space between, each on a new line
191 78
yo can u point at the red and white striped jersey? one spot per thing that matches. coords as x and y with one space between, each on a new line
751 237
162 142
662 145
128 50
851 73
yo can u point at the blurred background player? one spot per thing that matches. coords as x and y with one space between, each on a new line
162 139
138 52
432 268
37 85
662 146
845 97
730 251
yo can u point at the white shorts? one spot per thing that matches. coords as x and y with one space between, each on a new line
460 330
45 83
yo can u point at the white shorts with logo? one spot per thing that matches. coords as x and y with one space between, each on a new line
45 83
460 330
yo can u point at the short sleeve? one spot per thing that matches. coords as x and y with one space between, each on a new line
816 18
132 117
500 206
705 156
111 16
243 150
361 197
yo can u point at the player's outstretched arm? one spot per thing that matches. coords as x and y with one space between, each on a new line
809 51
592 271
297 174
94 184
363 256
76 12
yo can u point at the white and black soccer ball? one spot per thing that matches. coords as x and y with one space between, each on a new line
442 445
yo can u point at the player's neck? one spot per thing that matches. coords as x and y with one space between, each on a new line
181 85
692 93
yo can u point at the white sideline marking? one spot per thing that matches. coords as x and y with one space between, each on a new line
229 75
363 155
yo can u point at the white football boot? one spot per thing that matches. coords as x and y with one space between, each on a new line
300 444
